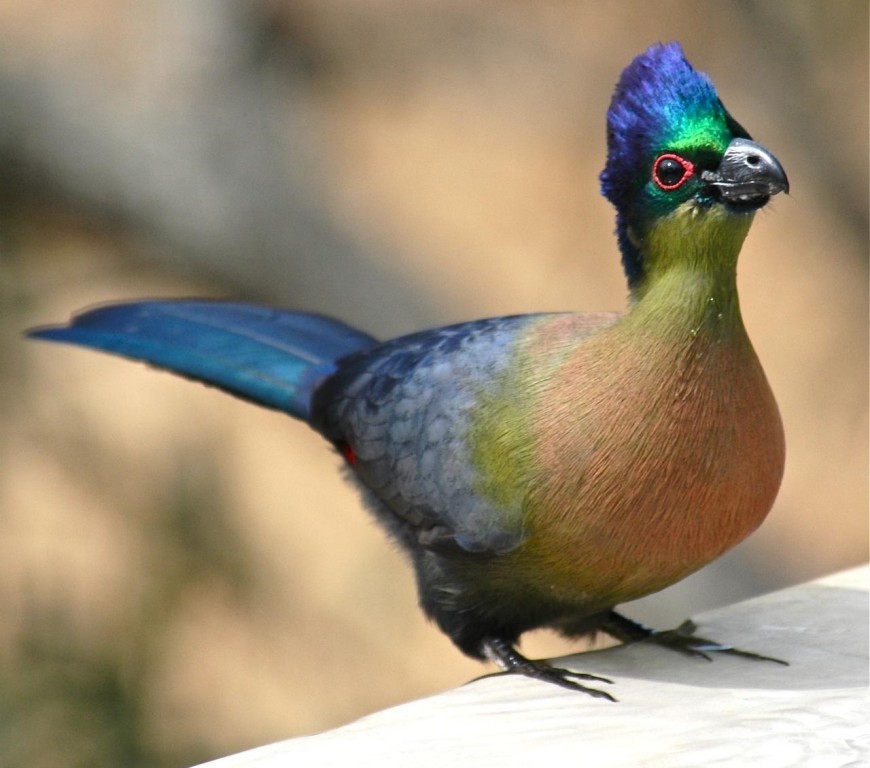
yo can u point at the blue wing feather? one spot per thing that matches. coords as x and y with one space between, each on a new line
404 408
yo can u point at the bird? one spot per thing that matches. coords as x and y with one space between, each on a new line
539 470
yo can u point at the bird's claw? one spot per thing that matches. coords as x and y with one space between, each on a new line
683 640
512 662
565 678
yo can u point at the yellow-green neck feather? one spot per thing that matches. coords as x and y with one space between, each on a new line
690 263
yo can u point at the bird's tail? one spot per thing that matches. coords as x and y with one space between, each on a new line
271 357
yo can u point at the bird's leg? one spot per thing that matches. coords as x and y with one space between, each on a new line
513 662
682 639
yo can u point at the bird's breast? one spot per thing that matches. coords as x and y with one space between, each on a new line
654 455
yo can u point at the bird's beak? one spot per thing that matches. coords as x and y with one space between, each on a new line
748 175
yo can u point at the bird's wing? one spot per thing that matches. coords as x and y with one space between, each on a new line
411 414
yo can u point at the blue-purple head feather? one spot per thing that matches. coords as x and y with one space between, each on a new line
661 103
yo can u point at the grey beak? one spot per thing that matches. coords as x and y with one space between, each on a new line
747 173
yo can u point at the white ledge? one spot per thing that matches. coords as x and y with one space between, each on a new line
672 711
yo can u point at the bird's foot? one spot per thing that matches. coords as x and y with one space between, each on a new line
682 639
512 662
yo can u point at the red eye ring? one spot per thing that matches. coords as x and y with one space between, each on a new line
671 171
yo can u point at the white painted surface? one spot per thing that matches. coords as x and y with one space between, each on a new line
672 711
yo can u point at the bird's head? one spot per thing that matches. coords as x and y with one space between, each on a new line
685 177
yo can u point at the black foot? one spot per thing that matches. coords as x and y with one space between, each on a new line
682 639
513 662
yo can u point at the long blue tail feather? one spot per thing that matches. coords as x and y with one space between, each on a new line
274 358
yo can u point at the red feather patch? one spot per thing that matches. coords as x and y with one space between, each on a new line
347 452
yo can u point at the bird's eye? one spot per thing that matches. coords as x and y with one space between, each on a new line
672 171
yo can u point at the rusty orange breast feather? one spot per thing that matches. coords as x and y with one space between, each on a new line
670 453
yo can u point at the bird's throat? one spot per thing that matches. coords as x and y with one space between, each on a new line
690 273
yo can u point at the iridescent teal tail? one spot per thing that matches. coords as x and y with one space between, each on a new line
270 357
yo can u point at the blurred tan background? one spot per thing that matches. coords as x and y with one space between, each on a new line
183 575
